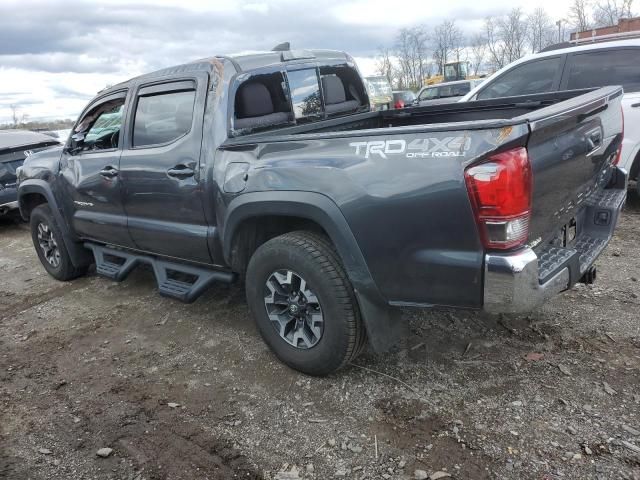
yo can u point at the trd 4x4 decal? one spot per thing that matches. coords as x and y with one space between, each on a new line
418 148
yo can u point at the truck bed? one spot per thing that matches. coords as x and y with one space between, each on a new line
398 178
454 116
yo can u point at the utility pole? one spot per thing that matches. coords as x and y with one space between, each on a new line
559 24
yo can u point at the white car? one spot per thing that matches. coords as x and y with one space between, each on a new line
588 65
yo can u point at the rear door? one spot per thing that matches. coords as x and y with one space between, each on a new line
160 169
611 66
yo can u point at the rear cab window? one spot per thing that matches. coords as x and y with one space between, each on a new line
295 95
304 90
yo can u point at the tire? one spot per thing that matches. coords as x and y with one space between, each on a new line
312 258
61 268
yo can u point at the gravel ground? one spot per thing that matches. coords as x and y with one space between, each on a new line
177 391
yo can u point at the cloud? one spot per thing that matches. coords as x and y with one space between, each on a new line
60 62
88 44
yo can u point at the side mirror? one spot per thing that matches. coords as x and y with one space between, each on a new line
75 143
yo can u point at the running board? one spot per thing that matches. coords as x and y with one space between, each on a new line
175 280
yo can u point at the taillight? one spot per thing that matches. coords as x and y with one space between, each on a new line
500 192
616 159
399 104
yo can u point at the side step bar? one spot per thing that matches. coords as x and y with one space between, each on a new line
176 280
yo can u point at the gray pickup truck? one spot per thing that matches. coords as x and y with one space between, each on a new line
271 169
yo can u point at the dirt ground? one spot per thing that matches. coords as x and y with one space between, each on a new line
191 391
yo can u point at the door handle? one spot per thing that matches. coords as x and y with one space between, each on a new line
635 105
180 171
109 172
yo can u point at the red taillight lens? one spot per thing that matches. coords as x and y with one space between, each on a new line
500 192
399 104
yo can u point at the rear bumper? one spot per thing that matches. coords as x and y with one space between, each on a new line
522 281
511 283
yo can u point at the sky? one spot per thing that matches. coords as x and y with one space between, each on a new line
55 56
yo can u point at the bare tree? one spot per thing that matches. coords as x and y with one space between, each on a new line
579 14
512 30
478 47
412 54
14 115
384 65
495 46
540 31
403 54
609 12
448 44
420 55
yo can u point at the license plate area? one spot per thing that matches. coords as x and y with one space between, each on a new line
567 235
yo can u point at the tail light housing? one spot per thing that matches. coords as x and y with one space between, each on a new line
500 192
398 104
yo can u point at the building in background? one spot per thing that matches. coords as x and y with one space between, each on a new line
625 26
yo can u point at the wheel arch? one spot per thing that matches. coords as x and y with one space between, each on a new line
320 213
34 192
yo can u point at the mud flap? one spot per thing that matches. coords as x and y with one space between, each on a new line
384 324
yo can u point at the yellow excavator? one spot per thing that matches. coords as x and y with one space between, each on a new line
453 71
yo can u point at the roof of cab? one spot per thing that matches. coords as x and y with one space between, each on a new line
242 62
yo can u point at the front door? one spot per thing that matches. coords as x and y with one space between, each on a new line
89 173
160 169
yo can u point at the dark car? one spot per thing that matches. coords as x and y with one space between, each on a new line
15 146
271 169
448 92
403 98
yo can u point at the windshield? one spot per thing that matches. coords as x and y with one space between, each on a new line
456 71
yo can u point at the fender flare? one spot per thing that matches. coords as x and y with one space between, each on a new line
384 327
80 256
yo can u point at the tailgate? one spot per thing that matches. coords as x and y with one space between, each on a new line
571 147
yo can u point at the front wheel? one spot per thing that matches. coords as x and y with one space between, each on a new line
51 250
303 303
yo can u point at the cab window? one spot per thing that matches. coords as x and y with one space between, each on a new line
527 79
605 67
429 93
100 127
163 117
304 90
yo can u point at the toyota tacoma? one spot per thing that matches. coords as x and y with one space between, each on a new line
271 169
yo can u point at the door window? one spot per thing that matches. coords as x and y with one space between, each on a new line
163 117
608 67
527 79
305 93
429 93
102 126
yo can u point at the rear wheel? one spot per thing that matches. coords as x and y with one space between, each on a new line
47 239
303 303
